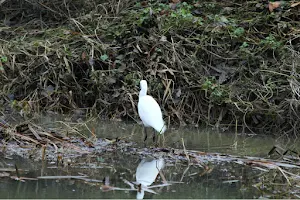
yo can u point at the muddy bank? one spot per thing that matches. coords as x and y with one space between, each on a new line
228 64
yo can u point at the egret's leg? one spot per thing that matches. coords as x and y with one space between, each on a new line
154 134
145 132
155 138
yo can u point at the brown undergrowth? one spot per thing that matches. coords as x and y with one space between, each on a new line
219 63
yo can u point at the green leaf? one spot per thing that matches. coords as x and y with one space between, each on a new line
3 59
173 15
244 45
239 31
223 19
104 57
100 159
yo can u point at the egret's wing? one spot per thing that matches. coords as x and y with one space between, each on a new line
150 112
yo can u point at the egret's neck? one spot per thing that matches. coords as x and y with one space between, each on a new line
143 92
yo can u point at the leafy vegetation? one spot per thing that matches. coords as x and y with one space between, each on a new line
226 63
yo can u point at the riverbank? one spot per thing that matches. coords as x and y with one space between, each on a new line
229 64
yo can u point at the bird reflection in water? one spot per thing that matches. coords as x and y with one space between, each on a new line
146 173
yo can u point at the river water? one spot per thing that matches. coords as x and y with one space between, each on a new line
225 180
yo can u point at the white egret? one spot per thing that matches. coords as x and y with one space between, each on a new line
150 112
146 174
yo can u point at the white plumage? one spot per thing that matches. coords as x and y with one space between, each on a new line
149 110
147 172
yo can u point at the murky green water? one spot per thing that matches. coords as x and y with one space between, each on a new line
212 185
226 180
194 139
